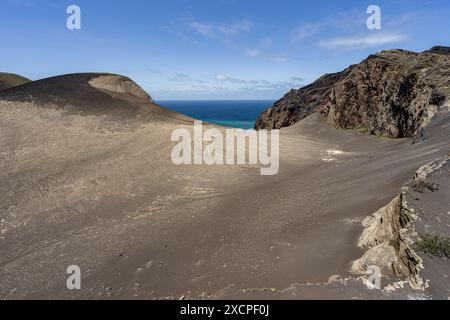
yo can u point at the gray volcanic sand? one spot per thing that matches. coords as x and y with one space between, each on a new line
103 194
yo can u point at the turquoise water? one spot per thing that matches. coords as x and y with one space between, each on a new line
229 113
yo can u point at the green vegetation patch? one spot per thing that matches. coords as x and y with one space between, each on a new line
435 245
422 186
362 130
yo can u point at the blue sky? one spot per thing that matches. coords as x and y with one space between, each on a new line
212 49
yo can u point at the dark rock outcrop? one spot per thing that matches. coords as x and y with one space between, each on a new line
380 97
439 50
298 104
394 93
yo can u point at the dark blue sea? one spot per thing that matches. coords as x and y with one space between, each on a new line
229 113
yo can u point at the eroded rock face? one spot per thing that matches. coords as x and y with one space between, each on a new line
394 93
298 104
381 97
390 235
119 84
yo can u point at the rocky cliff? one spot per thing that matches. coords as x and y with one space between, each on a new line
394 93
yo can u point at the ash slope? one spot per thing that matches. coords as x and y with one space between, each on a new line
83 184
10 80
96 94
394 93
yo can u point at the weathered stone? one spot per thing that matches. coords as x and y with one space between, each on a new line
394 93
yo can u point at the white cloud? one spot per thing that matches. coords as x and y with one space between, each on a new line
223 86
338 22
235 28
180 77
220 31
205 30
306 31
224 78
361 42
259 85
221 77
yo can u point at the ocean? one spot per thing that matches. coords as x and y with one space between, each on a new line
230 113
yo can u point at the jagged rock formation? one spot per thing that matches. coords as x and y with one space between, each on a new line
394 93
9 80
298 104
386 234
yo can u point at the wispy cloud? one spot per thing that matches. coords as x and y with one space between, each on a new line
225 78
259 49
344 23
306 31
206 30
222 31
180 77
222 85
235 28
257 85
361 42
338 22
